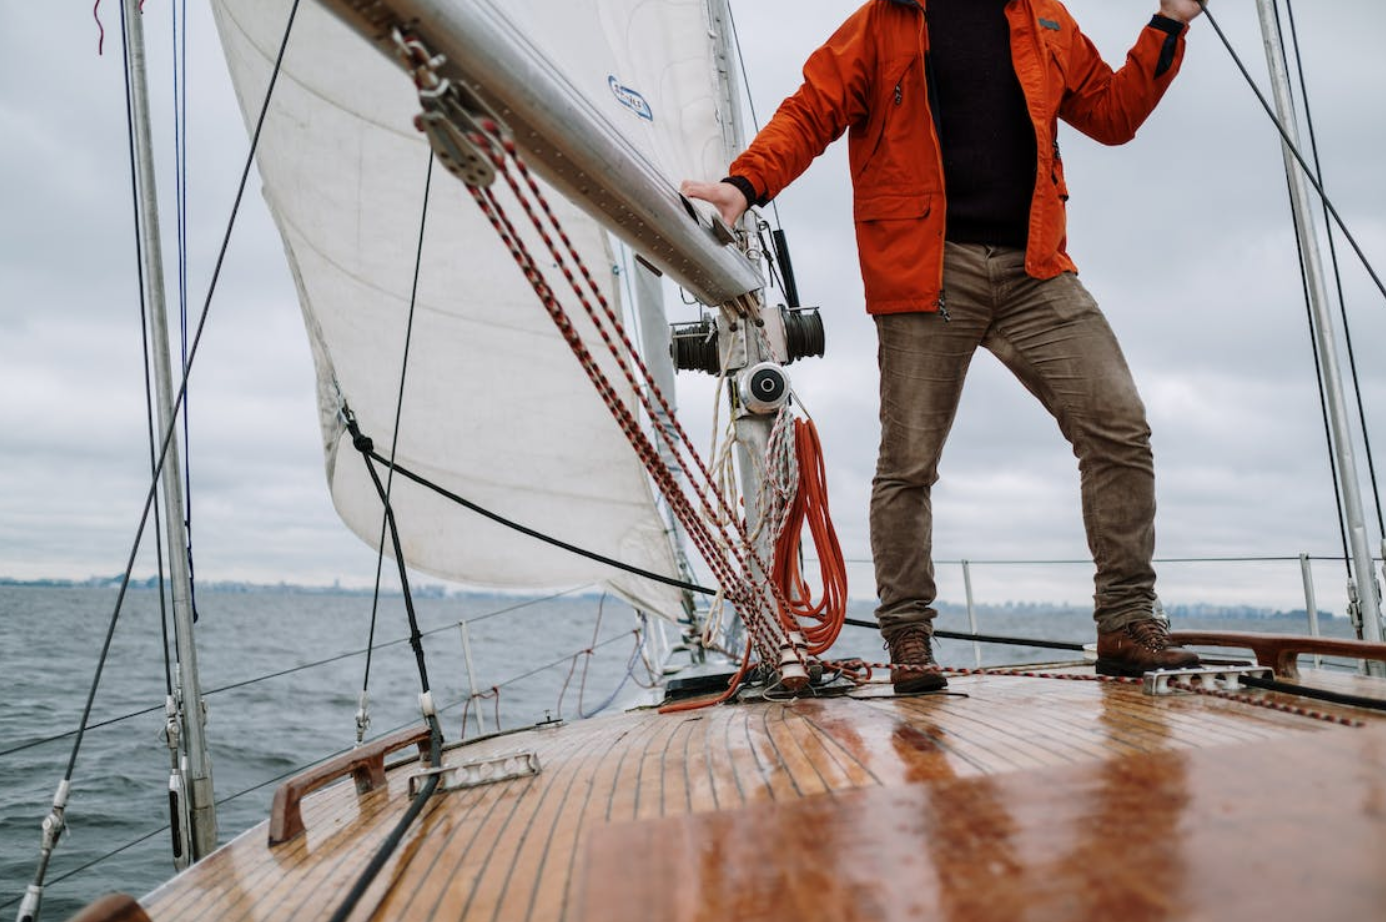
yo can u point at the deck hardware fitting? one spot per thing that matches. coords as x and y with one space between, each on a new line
503 767
1212 678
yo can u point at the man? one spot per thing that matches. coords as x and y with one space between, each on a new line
951 110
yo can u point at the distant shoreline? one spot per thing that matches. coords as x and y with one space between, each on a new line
438 591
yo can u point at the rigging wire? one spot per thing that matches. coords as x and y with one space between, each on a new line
1294 151
54 823
182 392
750 100
147 358
1337 269
180 178
1333 473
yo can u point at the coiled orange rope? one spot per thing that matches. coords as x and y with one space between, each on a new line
819 622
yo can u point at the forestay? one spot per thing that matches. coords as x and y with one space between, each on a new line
496 409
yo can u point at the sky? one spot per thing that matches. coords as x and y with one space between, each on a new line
1183 236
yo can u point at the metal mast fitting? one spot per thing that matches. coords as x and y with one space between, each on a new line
1325 339
562 138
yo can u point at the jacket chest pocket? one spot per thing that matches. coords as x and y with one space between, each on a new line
1054 60
899 100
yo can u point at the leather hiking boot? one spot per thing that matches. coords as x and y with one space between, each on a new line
1138 648
910 647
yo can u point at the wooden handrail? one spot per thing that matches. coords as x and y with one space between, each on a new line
1281 651
366 765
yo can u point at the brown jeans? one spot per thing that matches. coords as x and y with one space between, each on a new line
1052 336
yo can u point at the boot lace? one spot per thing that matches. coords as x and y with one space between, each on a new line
1151 633
911 648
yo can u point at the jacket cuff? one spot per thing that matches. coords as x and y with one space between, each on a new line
1167 25
1173 29
744 186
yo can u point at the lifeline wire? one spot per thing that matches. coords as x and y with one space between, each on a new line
207 693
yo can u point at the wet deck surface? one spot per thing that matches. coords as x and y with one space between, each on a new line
1007 798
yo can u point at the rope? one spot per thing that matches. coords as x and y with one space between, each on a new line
1321 694
396 836
467 707
761 624
1268 704
363 719
732 686
983 638
825 617
537 535
631 357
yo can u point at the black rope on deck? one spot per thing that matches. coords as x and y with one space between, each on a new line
396 836
985 638
1321 694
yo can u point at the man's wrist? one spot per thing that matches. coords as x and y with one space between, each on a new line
744 186
1167 23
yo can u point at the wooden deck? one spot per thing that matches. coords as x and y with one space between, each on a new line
1006 798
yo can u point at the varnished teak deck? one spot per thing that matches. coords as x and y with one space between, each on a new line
1017 798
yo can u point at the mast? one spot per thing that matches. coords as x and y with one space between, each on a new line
1363 590
201 807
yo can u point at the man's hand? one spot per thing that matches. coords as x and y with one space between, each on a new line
1182 10
723 196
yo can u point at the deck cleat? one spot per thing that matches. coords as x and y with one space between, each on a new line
479 772
1202 678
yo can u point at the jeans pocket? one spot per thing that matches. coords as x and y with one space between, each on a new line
1066 297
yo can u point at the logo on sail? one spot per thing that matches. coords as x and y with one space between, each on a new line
631 99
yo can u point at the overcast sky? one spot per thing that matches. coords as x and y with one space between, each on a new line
1183 236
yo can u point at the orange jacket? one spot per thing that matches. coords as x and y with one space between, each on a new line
871 80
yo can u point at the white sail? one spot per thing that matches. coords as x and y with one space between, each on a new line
496 409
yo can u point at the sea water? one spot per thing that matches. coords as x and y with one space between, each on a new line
261 730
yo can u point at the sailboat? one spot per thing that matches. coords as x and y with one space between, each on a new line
999 800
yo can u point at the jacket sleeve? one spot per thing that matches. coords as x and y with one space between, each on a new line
832 97
1109 106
